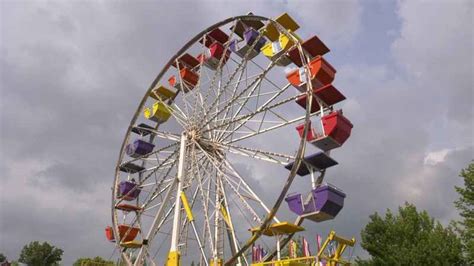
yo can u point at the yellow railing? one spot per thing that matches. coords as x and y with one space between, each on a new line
301 261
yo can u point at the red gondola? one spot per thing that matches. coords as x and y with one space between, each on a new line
213 56
322 73
336 130
189 77
126 232
216 35
314 46
186 60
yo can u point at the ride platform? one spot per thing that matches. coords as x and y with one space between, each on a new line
131 244
282 228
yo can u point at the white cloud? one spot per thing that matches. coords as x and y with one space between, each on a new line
436 157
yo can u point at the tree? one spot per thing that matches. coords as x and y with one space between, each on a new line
97 261
465 204
36 254
409 238
2 258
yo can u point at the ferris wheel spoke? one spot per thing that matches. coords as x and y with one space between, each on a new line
260 79
274 127
156 221
205 195
263 106
237 101
218 71
234 242
253 85
250 115
241 184
166 149
241 67
236 188
245 184
273 157
152 172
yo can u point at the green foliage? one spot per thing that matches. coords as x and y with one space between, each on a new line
36 254
97 261
465 204
409 238
2 258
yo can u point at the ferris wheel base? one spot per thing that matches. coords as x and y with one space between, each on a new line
173 258
288 262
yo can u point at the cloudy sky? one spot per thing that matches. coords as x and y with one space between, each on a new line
73 73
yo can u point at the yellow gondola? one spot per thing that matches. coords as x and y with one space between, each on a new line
162 93
276 50
159 113
285 20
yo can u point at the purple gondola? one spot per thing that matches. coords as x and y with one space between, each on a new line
139 148
241 48
128 190
323 203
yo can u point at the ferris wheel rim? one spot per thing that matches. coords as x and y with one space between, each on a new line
298 157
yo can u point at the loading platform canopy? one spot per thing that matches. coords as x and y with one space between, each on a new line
314 162
282 228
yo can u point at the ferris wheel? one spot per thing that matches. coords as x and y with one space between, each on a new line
213 121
